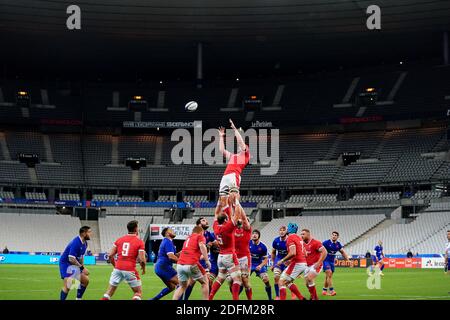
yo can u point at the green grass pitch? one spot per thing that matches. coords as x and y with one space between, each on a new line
25 282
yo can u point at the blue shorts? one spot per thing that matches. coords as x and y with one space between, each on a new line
280 267
165 272
67 270
214 268
258 273
327 265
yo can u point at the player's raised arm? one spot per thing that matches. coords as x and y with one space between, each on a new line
238 136
244 218
222 149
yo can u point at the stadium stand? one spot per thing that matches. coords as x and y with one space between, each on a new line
374 196
35 196
349 226
37 232
401 237
6 195
426 194
111 228
105 197
308 160
69 196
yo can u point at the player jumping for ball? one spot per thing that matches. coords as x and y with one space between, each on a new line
231 179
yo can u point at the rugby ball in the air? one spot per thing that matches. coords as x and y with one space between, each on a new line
191 106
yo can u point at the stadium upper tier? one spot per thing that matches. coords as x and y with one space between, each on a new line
415 92
306 160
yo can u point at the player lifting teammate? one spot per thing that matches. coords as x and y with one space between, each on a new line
128 249
242 236
224 228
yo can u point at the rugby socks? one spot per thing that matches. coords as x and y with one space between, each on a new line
163 293
249 293
81 291
269 292
277 290
313 292
331 289
188 292
295 291
215 287
235 290
382 267
283 293
63 295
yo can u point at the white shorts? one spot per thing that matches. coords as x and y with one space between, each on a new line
228 182
293 271
227 261
187 271
312 270
131 277
244 266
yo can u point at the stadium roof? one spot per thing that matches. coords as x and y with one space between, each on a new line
160 36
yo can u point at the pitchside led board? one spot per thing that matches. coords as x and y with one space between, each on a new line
37 259
182 231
